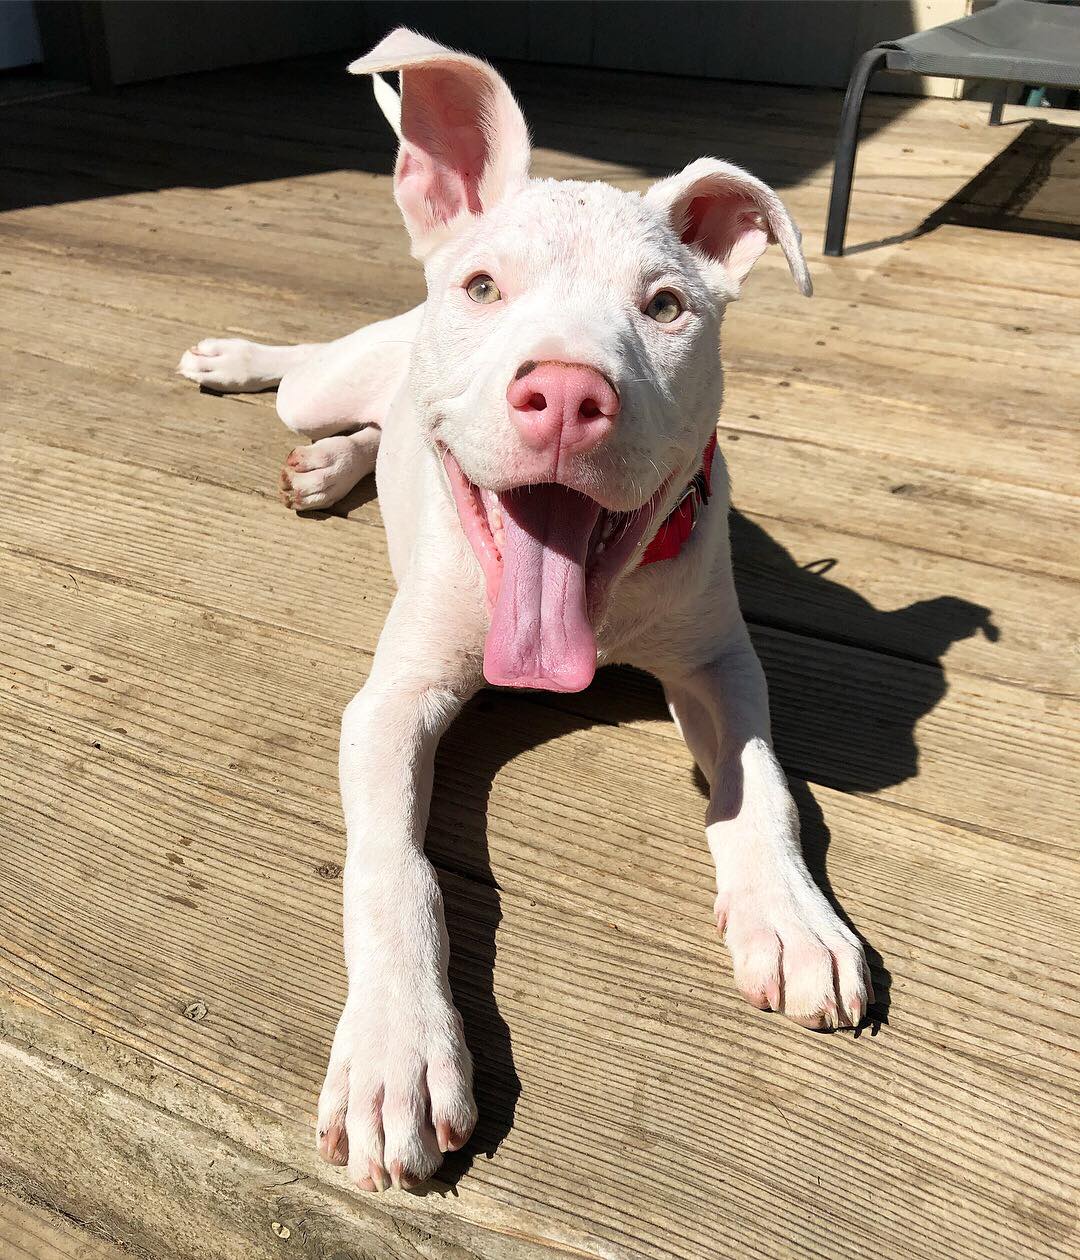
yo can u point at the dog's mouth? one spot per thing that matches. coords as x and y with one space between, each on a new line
549 555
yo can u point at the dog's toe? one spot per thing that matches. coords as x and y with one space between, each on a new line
390 1109
229 364
318 475
793 955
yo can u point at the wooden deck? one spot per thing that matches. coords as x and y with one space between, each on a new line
177 649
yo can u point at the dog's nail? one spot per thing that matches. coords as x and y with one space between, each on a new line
339 1149
447 1138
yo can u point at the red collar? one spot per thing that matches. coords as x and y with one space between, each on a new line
671 537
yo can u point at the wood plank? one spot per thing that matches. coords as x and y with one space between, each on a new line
34 1233
847 716
967 153
176 650
1026 438
911 504
323 106
241 445
908 601
160 1179
575 970
863 339
881 207
956 748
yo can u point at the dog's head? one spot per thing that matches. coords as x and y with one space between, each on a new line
568 370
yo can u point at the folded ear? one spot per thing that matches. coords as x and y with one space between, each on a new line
464 143
729 216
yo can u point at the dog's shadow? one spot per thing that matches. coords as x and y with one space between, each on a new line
843 716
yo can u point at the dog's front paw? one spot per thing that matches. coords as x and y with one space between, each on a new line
792 953
397 1095
230 364
318 475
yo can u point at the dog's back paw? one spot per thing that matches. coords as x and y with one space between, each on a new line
230 365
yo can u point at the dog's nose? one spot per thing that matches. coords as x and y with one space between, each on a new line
562 407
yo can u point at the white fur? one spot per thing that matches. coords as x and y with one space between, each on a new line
576 262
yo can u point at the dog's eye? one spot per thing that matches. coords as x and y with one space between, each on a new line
665 308
483 289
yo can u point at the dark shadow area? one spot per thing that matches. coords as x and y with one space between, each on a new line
848 683
1032 186
305 116
842 718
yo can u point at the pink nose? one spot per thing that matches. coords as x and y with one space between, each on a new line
562 407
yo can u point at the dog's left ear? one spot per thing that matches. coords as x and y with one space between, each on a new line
723 212
464 143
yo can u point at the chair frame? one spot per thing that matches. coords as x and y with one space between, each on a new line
871 61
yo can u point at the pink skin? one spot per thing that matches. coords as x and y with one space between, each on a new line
334 1149
561 409
544 533
561 551
542 543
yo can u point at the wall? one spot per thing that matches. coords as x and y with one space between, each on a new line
19 43
808 42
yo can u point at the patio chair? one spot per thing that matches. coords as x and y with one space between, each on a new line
1021 41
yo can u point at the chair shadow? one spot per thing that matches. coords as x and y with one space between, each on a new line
1013 193
852 727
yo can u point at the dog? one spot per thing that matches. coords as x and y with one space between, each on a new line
543 433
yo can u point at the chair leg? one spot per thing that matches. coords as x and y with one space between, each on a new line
846 143
1001 93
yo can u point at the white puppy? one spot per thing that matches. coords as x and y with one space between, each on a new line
544 426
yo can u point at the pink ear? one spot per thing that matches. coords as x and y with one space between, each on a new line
464 144
729 216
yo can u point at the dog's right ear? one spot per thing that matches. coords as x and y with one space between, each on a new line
728 217
464 143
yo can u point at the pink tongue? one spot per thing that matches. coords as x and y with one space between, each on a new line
540 634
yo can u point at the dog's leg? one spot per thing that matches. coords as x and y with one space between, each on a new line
349 383
790 950
323 389
235 366
346 385
398 1091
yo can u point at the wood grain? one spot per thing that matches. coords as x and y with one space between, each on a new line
176 650
34 1233
1008 624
